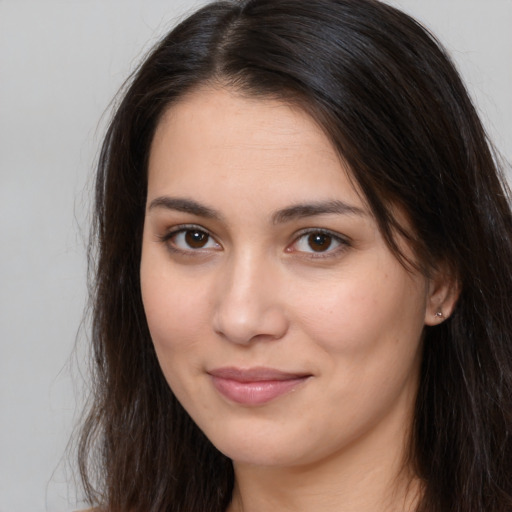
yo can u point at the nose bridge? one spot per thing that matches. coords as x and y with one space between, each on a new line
247 306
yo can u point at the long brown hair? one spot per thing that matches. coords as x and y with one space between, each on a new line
393 105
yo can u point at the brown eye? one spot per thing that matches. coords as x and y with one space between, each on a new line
319 242
191 239
196 239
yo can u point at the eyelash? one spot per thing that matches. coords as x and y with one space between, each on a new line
183 229
343 242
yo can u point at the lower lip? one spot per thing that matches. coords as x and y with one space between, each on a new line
255 393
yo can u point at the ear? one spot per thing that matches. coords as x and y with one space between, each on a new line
442 294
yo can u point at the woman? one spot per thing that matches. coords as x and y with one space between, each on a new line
303 273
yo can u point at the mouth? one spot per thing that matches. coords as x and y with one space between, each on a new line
255 386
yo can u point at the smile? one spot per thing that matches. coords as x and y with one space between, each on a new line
254 386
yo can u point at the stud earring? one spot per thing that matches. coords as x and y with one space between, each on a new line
439 314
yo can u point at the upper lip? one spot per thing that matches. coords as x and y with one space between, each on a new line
255 374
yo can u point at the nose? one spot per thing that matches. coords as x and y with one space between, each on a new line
248 305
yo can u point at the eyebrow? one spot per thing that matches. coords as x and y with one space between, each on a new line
299 211
288 214
185 206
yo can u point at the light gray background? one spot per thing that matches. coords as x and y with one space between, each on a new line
61 62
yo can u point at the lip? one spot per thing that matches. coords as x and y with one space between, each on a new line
255 386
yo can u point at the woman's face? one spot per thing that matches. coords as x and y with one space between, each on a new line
281 320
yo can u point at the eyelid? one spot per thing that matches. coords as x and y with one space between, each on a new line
344 243
180 228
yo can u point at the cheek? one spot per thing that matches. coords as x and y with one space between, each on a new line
176 321
176 314
369 334
364 314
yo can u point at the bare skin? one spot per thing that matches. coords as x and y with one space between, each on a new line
261 258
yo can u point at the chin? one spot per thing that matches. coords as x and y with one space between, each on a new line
260 444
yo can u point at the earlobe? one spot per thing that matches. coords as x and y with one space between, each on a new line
442 294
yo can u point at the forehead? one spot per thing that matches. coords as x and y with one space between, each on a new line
216 136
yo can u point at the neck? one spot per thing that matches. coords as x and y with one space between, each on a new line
304 489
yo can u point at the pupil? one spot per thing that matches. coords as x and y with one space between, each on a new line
319 241
196 239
